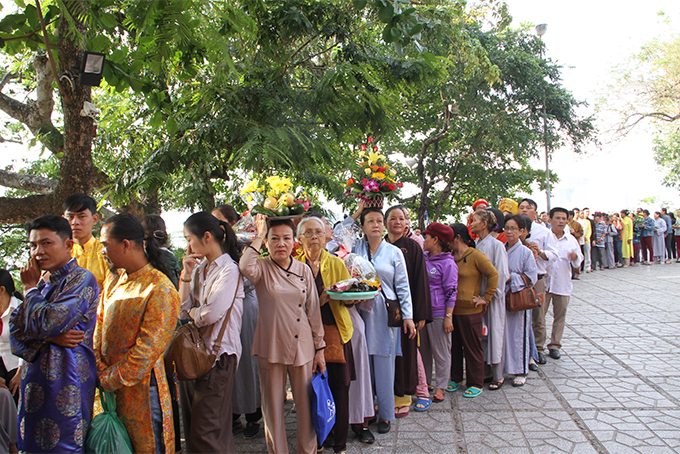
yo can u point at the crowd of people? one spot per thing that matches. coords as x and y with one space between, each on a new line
99 314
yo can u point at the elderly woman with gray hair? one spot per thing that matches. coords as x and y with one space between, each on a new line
328 270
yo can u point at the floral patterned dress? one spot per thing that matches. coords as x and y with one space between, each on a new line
57 386
136 321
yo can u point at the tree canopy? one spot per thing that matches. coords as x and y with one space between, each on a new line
199 95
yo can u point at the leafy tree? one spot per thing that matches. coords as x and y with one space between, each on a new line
473 132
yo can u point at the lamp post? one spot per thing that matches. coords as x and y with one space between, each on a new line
540 31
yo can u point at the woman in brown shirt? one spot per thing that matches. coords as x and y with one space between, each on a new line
466 340
289 334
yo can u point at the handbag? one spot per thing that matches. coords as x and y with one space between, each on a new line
524 299
186 349
107 433
334 351
394 316
323 406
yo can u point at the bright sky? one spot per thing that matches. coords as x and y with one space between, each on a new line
589 37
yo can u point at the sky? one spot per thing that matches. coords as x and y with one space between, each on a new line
589 38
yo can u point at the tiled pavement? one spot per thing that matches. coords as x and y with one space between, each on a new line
616 389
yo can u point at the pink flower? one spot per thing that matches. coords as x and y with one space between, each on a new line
371 186
363 147
370 140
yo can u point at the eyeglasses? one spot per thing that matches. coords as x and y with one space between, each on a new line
511 229
314 233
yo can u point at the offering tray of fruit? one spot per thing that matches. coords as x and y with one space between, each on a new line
354 290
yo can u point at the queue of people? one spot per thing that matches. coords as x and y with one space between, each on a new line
99 314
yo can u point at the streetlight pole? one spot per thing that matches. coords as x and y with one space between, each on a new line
540 31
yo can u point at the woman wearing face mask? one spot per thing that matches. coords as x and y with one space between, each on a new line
521 261
289 334
383 341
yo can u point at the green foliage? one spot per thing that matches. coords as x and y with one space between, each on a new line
13 243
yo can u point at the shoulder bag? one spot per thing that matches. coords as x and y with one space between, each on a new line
186 349
524 299
394 316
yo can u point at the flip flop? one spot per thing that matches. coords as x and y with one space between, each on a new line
453 386
423 404
439 397
472 392
400 413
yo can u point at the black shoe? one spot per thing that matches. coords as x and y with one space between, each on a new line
330 441
555 354
533 367
575 278
251 430
541 358
364 435
383 427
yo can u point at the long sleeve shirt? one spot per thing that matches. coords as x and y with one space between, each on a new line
289 328
89 256
443 275
471 267
600 232
647 227
545 241
559 279
209 301
520 261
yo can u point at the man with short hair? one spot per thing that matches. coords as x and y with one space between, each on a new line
577 232
543 243
559 285
80 210
646 236
597 250
52 331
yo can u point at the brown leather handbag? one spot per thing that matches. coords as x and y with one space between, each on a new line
334 351
527 298
394 315
187 351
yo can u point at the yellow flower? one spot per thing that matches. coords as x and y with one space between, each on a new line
392 172
260 189
249 199
378 176
367 171
271 193
251 186
373 157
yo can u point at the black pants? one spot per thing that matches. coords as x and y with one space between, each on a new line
670 241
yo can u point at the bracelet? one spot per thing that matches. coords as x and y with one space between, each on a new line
260 238
184 280
449 315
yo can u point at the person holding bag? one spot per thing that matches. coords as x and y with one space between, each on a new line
337 324
523 274
211 291
383 341
289 334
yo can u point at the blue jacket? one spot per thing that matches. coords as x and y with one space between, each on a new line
648 227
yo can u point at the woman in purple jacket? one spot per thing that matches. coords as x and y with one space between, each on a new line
435 338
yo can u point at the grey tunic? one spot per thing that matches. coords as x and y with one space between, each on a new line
494 318
246 391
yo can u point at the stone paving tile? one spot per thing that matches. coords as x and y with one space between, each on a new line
499 441
600 366
652 364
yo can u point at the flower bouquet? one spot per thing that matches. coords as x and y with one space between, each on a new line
273 197
375 179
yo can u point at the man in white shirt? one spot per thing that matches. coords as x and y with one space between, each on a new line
559 285
543 243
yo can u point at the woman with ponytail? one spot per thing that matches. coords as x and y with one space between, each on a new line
137 317
468 313
154 226
211 292
9 300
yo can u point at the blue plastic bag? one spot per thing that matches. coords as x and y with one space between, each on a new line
107 434
323 406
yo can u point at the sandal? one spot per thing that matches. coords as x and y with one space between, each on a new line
423 404
439 397
472 392
400 413
496 384
453 386
519 380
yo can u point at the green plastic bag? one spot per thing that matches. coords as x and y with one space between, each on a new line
107 434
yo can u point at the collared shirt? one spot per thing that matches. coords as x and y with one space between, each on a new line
209 301
669 224
647 227
586 231
90 257
559 277
545 241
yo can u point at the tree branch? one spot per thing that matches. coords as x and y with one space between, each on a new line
26 182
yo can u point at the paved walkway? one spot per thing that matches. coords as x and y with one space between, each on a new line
616 389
